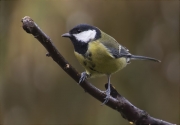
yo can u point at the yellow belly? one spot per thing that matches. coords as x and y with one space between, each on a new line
98 61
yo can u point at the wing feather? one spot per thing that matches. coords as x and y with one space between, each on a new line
114 47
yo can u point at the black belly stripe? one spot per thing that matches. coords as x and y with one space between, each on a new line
85 63
90 54
93 69
90 59
93 65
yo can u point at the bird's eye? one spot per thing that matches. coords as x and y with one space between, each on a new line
78 31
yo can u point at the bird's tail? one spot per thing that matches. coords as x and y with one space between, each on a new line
144 58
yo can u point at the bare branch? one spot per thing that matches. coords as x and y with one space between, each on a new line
116 102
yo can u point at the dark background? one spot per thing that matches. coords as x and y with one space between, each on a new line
35 90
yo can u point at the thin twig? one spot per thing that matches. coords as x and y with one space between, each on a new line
116 102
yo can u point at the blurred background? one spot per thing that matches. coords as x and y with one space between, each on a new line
35 90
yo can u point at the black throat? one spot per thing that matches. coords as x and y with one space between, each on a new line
79 47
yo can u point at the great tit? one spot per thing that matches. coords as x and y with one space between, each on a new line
99 53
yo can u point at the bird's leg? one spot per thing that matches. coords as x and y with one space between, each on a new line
84 76
108 91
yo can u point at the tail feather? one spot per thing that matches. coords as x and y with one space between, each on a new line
144 58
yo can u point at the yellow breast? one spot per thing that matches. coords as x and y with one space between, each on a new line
99 61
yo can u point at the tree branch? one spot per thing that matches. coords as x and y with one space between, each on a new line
118 102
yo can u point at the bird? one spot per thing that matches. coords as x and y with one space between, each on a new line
99 53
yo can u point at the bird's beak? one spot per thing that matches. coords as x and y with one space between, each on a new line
66 35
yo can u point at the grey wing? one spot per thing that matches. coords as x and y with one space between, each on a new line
124 52
118 51
114 47
121 52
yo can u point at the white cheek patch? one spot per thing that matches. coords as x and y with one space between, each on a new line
85 36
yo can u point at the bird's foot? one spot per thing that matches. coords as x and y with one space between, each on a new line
84 76
108 91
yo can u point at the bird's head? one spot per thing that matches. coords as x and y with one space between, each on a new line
83 33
